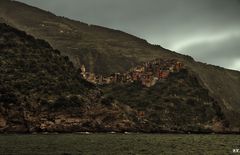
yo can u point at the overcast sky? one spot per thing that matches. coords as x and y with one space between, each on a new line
208 30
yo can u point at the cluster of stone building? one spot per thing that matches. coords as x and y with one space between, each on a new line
148 73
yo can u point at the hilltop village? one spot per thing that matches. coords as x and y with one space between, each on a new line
147 73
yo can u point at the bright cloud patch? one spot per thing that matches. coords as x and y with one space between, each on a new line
236 65
204 38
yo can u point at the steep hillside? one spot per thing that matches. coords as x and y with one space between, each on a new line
177 103
106 51
40 90
92 44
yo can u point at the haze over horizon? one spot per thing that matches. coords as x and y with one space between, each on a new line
207 30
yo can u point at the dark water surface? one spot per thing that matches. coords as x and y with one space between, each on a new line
113 144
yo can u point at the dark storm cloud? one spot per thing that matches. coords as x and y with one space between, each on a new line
208 30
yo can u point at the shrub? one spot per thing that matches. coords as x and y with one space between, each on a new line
107 101
76 101
63 102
